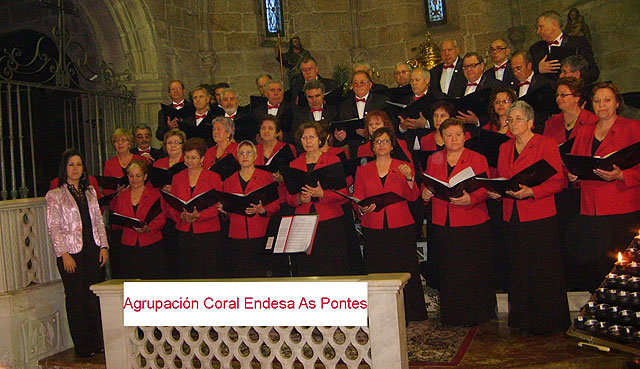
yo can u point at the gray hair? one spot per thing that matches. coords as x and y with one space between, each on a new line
361 63
577 63
272 81
551 15
263 75
227 123
523 106
227 90
425 73
141 126
455 43
396 65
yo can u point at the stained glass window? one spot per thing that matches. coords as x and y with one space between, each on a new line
436 12
273 17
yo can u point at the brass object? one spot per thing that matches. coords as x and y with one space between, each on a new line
429 54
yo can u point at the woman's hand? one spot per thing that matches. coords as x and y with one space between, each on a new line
523 193
122 187
304 197
277 177
360 131
69 263
190 217
104 256
142 229
366 209
463 200
426 195
469 117
255 209
166 188
313 191
340 135
572 177
406 171
609 176
494 195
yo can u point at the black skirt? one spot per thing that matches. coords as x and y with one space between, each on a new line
203 255
148 262
393 250
537 294
249 260
329 253
466 289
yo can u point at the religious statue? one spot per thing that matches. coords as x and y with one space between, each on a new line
429 54
292 59
576 25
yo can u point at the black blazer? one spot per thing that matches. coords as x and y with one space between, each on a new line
203 130
285 117
508 78
458 81
347 108
162 121
571 45
247 127
302 115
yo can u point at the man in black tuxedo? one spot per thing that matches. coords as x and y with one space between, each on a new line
556 46
246 126
366 67
447 76
260 99
402 74
499 52
534 88
316 109
142 137
165 123
277 106
309 69
473 67
216 100
412 129
356 105
199 124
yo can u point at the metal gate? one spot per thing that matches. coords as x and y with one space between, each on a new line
51 99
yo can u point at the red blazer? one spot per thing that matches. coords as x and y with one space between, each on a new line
243 227
112 168
123 206
282 190
164 162
616 197
428 142
209 221
368 184
542 205
365 150
210 155
494 128
328 207
554 126
468 215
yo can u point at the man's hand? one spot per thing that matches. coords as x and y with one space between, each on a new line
548 66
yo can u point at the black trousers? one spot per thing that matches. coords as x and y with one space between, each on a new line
83 306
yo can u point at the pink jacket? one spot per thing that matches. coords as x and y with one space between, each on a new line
64 224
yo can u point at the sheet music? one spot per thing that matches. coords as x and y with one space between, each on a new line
281 237
301 233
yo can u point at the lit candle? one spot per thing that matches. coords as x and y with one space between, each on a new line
621 264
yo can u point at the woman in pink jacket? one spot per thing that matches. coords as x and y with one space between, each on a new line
80 242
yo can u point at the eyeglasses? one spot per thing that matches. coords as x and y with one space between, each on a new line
516 120
380 142
502 102
468 66
176 142
121 140
245 153
401 72
497 49
563 95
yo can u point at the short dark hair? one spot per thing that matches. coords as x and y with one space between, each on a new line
473 53
195 143
444 105
363 73
62 171
525 55
577 63
320 130
382 130
450 123
615 91
576 86
271 118
313 84
140 126
309 58
221 85
175 80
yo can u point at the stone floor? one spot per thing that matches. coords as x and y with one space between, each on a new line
495 346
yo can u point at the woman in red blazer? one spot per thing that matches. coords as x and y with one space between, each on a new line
570 97
223 130
269 132
500 101
442 110
537 291
142 253
329 252
247 232
372 121
461 227
172 144
117 167
389 240
608 208
202 253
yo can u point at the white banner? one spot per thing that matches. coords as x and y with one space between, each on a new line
245 304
